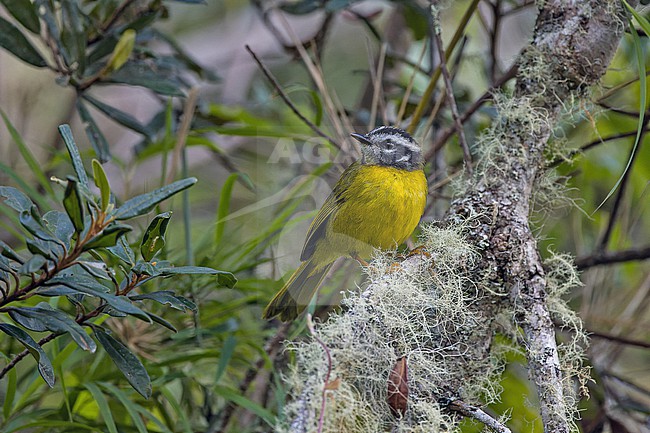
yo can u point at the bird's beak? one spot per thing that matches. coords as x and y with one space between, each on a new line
361 139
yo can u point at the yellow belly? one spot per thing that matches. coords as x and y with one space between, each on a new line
380 209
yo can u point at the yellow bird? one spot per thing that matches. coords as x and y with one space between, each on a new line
377 203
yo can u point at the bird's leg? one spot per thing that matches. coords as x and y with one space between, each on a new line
362 262
421 250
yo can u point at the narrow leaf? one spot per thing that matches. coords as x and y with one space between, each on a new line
16 43
128 404
122 50
120 117
101 181
94 134
142 204
34 166
25 14
108 237
169 298
240 400
102 403
75 156
15 199
44 364
224 207
224 278
150 75
226 354
45 318
126 362
73 204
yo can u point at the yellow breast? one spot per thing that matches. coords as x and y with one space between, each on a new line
380 208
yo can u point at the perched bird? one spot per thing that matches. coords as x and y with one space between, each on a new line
377 203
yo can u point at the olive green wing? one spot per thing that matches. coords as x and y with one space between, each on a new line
318 227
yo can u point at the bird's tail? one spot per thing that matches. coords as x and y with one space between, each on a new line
297 292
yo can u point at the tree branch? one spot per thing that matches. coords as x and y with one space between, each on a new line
573 44
612 257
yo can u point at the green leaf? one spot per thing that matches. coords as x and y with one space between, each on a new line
34 224
12 174
120 117
122 50
15 199
15 42
108 237
89 286
240 400
10 393
94 134
126 362
162 322
153 239
224 278
224 207
34 264
44 364
101 181
148 74
75 156
169 298
45 318
302 7
8 252
73 204
102 403
128 404
226 354
60 225
74 34
142 204
34 166
25 14
35 246
123 251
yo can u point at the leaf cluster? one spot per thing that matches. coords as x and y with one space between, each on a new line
100 43
82 255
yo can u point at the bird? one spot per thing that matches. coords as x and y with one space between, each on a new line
377 203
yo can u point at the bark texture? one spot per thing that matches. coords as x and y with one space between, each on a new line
573 44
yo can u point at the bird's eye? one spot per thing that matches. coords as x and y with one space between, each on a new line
389 144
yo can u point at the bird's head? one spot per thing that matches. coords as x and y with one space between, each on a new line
390 146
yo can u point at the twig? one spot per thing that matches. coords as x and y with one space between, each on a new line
321 417
594 143
608 258
478 414
617 339
287 101
450 92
